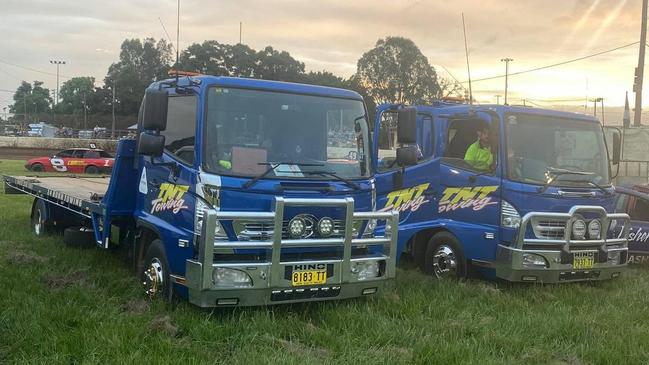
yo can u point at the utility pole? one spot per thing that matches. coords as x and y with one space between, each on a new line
595 101
639 71
240 31
57 63
602 100
507 61
85 108
112 133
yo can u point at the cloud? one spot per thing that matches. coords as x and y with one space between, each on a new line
333 34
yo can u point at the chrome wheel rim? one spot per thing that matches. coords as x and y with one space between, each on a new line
38 225
153 278
444 262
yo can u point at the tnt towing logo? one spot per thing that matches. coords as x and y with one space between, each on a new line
407 199
476 198
170 198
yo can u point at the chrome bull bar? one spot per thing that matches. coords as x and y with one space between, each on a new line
557 249
567 243
205 263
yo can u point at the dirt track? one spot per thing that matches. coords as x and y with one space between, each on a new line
24 153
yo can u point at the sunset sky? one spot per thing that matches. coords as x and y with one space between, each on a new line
333 34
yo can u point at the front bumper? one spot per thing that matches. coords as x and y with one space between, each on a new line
270 280
559 254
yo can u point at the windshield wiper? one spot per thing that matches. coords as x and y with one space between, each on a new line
591 183
271 168
350 183
554 173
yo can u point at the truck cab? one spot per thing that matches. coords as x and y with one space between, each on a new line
516 193
256 192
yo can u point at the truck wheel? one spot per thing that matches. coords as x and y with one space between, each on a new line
92 170
37 167
79 237
444 257
155 275
41 225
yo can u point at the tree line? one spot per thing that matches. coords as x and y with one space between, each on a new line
394 70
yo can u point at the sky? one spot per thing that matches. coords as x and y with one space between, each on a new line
332 35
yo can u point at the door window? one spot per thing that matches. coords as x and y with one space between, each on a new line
388 141
640 210
472 145
181 127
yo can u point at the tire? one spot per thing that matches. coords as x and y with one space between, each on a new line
78 237
37 167
155 271
445 257
41 224
91 170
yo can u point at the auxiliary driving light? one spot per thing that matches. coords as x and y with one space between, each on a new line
230 278
613 258
325 227
296 227
594 229
579 229
533 260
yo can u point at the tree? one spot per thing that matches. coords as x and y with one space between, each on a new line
140 63
75 93
31 98
396 71
324 78
276 65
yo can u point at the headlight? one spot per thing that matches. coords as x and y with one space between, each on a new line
579 229
366 269
230 278
296 227
594 229
509 216
325 226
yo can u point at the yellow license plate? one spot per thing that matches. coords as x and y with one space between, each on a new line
314 277
583 260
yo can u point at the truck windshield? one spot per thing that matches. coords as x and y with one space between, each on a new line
255 133
568 151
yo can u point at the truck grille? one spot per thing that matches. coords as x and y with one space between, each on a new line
549 229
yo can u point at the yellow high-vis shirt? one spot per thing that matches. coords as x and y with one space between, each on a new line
478 157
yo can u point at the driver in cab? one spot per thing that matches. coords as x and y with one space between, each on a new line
479 154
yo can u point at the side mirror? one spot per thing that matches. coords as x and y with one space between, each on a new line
407 125
150 144
617 148
154 117
407 156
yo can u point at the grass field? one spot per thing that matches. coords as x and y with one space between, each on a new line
70 305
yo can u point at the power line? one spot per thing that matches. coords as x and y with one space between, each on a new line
33 69
555 64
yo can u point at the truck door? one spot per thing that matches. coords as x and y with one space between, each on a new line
409 190
470 183
166 183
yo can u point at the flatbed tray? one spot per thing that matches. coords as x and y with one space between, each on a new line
81 194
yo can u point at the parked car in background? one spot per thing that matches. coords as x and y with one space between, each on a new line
634 200
74 160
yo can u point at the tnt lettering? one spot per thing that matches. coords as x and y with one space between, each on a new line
170 197
407 199
476 198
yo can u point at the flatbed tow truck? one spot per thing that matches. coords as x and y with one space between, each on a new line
237 192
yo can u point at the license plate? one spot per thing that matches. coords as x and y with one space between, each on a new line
583 260
315 277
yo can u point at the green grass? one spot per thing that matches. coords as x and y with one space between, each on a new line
68 305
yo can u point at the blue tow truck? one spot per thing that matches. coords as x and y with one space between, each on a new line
237 192
541 207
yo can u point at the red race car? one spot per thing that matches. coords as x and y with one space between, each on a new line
75 160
